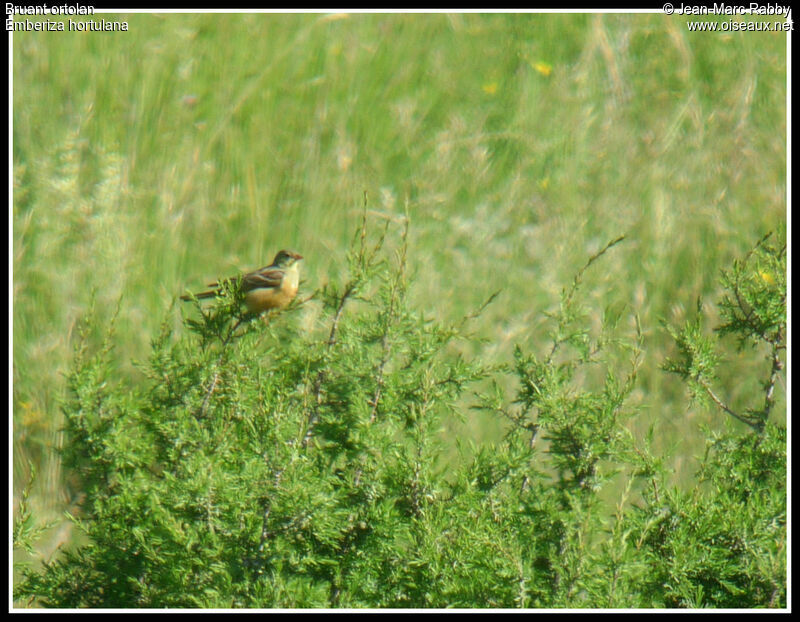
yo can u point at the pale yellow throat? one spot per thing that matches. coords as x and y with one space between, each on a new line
267 298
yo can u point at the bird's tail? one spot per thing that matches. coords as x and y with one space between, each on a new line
201 295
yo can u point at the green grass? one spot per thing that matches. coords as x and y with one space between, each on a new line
153 161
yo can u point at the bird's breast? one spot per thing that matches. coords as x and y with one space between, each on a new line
291 281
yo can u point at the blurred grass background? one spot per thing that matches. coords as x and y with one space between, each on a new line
193 146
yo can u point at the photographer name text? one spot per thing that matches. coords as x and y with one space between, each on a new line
720 8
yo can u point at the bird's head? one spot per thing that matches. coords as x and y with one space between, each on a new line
285 259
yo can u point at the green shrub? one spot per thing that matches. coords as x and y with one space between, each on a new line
264 464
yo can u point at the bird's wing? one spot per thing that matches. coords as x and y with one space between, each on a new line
266 277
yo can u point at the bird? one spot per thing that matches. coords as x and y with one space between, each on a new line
271 287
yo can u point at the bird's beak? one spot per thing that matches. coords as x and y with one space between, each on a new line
298 256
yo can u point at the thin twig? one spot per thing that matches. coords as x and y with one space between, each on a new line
481 309
755 424
577 281
265 516
314 416
365 261
397 285
215 380
777 367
